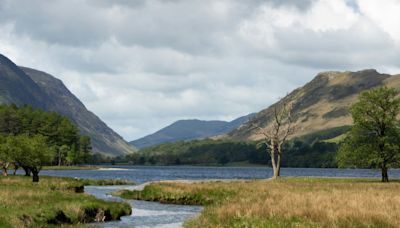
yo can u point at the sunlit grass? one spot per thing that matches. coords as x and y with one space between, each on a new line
288 202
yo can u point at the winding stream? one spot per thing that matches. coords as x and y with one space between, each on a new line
144 213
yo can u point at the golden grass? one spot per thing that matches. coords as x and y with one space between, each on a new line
297 202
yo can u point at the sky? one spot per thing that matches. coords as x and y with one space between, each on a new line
142 64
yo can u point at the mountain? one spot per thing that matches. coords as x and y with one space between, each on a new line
183 130
321 104
21 85
17 87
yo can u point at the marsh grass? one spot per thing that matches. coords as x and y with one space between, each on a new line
287 202
105 182
186 194
51 202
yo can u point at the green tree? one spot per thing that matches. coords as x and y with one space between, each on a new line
374 139
64 155
32 152
9 120
5 155
85 149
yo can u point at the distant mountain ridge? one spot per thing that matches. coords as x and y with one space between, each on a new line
21 85
321 104
183 130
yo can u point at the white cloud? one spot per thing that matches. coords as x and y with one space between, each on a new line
385 14
328 15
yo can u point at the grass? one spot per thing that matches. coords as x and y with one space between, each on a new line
105 182
71 167
186 194
52 201
287 202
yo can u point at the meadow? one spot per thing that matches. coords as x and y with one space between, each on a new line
286 202
53 201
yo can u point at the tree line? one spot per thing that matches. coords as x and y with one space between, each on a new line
298 153
31 138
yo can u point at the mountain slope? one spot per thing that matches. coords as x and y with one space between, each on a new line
183 130
16 87
323 103
22 85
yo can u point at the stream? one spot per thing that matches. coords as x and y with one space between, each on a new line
144 213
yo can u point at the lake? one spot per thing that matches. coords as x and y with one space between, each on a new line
141 174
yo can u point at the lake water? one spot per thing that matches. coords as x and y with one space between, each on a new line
151 214
141 174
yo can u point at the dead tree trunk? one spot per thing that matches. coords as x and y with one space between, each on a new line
276 134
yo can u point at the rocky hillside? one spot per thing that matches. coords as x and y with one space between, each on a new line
184 130
22 85
323 103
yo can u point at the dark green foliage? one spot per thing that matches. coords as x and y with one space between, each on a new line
31 138
85 149
61 135
375 137
302 154
194 152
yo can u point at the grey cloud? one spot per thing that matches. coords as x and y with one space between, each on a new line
120 3
345 49
56 22
152 23
300 4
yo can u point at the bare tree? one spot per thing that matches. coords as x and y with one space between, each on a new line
277 132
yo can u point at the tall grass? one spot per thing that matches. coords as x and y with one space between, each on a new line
52 201
289 202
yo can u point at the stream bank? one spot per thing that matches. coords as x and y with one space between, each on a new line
144 213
